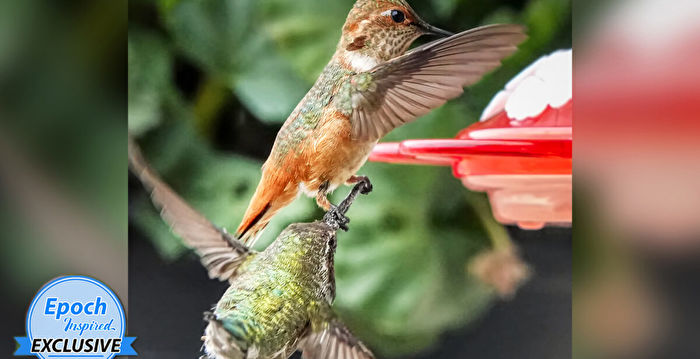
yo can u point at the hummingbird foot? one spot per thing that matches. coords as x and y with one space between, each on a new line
335 217
322 197
361 179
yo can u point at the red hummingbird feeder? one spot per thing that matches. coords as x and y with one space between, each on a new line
520 151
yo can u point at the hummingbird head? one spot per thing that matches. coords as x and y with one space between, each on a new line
379 30
310 247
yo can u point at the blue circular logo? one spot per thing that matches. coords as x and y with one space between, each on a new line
75 317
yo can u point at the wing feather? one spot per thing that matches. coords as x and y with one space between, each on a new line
426 77
334 342
219 252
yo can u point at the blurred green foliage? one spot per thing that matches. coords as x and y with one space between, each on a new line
63 120
205 74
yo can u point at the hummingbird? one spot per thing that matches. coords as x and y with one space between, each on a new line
279 300
370 86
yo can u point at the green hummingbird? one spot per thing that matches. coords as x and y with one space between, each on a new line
370 86
279 300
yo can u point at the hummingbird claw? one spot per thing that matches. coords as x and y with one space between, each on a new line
363 180
367 185
335 217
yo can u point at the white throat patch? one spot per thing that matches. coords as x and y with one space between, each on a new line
360 62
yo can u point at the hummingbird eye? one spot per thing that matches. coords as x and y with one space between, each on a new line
398 16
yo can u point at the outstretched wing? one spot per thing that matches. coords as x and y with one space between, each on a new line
333 342
220 253
410 86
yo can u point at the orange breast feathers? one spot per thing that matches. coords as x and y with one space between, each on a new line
332 153
327 155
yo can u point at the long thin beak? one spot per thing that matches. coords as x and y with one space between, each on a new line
432 30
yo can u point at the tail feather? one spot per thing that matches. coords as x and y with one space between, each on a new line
269 198
248 228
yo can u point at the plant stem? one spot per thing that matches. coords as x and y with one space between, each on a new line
496 232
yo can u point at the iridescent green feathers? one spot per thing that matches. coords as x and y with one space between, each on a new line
280 299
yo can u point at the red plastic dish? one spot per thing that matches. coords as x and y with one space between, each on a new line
524 166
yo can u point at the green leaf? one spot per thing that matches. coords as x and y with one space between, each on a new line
305 34
270 96
225 39
212 33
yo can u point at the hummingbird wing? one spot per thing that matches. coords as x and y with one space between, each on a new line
411 85
333 342
220 253
218 342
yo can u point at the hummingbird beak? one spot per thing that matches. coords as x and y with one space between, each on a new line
432 30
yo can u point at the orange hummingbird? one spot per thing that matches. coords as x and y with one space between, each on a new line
370 86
